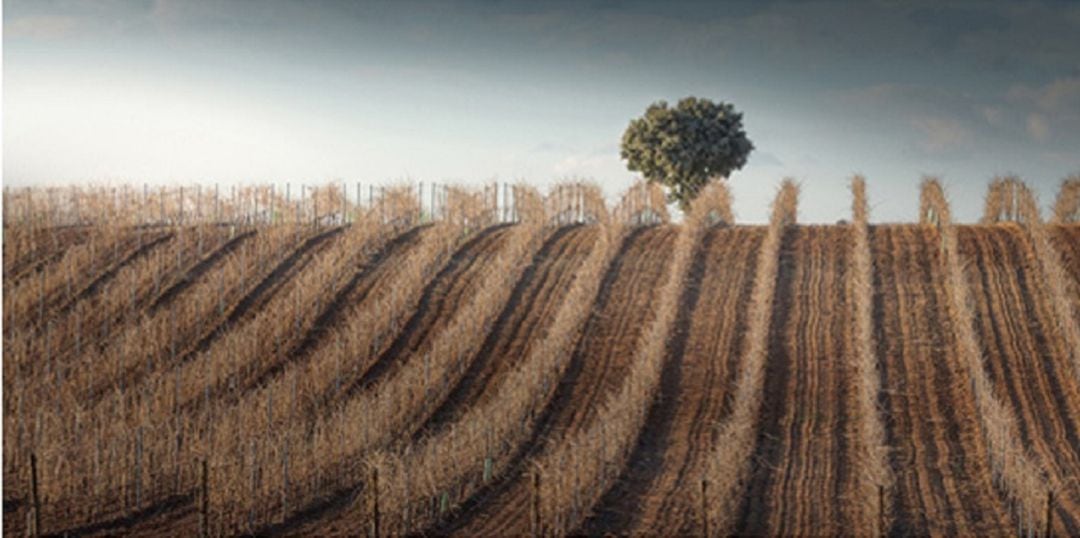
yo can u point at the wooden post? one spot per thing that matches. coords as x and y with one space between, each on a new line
881 509
138 467
536 530
204 503
34 493
375 501
1049 513
704 507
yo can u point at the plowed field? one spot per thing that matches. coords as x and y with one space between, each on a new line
132 356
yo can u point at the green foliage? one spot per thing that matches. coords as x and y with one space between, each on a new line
686 146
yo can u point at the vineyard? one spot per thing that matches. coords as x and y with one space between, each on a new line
427 359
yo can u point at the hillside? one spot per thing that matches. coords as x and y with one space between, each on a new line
497 361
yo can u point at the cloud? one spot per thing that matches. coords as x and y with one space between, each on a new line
589 165
40 26
764 158
1061 96
942 135
993 115
1038 126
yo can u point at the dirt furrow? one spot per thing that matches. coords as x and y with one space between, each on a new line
799 477
352 291
102 279
195 333
1066 238
52 244
55 288
621 312
1030 368
654 493
531 309
943 482
199 268
441 298
262 292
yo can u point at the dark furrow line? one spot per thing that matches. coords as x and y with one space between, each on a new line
261 293
471 508
766 456
331 314
844 461
615 509
428 311
197 270
941 383
337 500
1045 411
884 266
523 299
598 377
703 434
112 271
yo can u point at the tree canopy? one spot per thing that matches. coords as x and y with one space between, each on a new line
685 146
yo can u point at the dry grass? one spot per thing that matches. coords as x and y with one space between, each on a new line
575 202
1067 205
117 409
728 466
578 471
1056 279
871 446
1021 479
328 458
643 203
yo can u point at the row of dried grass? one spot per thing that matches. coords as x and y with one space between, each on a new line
872 449
83 325
1067 205
1056 278
642 204
27 302
575 202
37 208
392 408
68 419
161 337
341 355
458 460
1014 469
232 359
729 465
1002 201
149 340
577 471
115 421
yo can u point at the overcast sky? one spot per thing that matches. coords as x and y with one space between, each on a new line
189 91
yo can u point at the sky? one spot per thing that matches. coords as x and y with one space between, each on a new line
189 91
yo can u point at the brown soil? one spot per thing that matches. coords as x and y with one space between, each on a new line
352 291
802 470
1066 238
524 319
596 370
443 296
199 268
1027 360
529 310
943 480
202 332
49 247
656 492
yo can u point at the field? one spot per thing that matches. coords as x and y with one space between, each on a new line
448 361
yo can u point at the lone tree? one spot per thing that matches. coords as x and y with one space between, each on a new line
685 147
